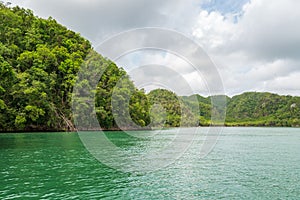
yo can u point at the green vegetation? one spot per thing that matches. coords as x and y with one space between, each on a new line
39 63
118 103
251 109
263 109
177 113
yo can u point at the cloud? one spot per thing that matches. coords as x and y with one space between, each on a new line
214 30
265 31
288 85
255 44
163 69
258 49
98 19
269 29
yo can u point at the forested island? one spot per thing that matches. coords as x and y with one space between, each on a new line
39 62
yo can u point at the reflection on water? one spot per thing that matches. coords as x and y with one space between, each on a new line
247 163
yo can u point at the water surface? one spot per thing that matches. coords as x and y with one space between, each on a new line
246 163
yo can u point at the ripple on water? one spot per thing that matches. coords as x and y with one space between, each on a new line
246 163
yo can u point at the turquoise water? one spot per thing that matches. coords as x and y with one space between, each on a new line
246 163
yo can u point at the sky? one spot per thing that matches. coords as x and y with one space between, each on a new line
253 44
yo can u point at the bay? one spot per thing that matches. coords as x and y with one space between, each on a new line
246 163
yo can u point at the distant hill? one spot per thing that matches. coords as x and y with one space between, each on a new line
177 112
263 109
251 109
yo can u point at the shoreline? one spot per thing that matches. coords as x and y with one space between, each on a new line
116 130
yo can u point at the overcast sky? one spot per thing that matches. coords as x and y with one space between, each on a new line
255 44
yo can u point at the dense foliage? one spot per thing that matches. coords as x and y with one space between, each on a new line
263 109
250 109
176 111
118 104
39 62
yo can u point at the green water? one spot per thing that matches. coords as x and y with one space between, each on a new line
246 163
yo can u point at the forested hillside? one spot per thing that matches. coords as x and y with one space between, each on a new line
177 113
263 109
251 109
39 60
39 63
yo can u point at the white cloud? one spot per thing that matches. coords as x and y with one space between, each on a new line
163 70
214 30
257 50
285 84
269 30
98 19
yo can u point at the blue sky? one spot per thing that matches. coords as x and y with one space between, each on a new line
224 6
